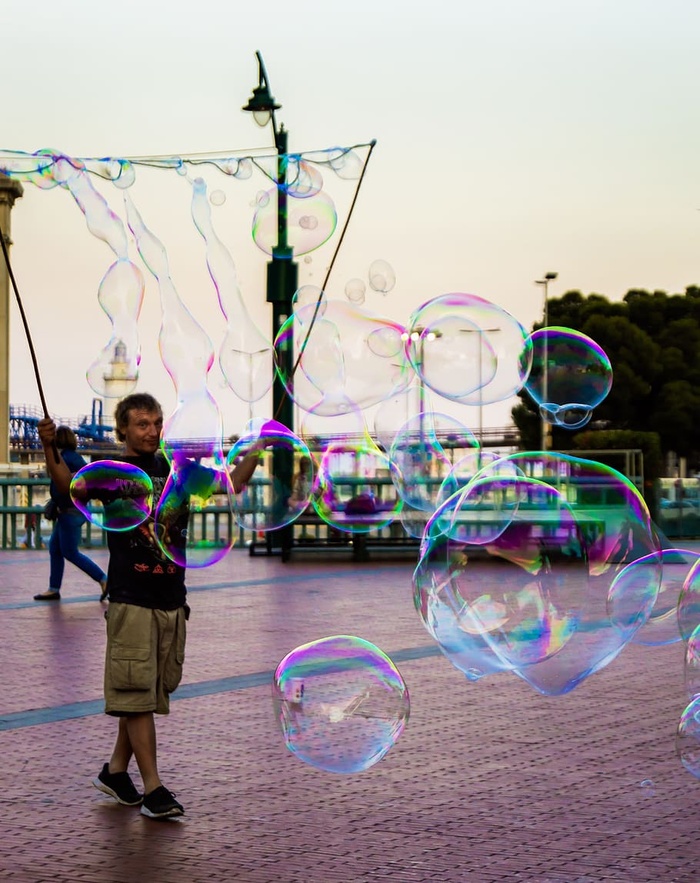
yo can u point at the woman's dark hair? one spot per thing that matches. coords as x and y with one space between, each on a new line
137 401
66 439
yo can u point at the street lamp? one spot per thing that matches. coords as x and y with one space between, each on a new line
282 283
546 427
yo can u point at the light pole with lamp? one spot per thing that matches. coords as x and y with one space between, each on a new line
480 332
546 426
282 283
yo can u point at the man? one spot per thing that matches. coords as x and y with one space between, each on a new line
146 628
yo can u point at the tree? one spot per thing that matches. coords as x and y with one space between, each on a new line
653 342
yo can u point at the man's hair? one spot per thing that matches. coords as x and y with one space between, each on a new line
137 401
66 439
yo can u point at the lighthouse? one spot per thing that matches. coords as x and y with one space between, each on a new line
119 381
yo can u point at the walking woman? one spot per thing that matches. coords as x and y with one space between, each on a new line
65 537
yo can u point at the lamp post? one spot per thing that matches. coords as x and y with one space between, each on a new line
546 426
282 276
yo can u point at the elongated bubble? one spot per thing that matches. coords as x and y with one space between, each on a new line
245 356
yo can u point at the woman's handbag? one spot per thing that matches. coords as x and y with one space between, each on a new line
50 510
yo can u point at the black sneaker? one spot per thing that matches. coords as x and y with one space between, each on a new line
161 804
119 786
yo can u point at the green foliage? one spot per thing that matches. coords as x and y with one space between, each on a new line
653 342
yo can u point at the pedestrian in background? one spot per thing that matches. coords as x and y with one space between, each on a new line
67 526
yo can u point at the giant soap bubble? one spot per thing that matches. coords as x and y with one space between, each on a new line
345 354
577 377
268 502
526 586
468 350
354 488
113 495
688 738
644 596
311 221
340 702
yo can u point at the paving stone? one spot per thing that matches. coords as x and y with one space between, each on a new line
490 781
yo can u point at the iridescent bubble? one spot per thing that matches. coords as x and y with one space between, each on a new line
689 603
692 665
647 787
465 468
346 163
533 597
577 378
217 197
114 374
245 355
310 222
115 371
112 495
126 176
340 702
381 276
349 356
481 511
490 348
271 499
422 461
451 358
303 179
309 296
354 489
688 738
355 291
188 523
386 342
235 167
512 608
644 596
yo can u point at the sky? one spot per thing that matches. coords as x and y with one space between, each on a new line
513 139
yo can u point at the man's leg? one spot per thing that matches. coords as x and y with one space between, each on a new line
137 735
119 761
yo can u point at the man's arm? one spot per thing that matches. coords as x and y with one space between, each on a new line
55 466
243 471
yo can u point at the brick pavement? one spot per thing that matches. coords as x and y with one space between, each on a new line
490 781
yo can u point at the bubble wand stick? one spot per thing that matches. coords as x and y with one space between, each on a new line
28 336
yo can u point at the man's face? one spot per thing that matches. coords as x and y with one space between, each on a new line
142 432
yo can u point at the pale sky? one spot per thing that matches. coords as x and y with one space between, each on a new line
513 138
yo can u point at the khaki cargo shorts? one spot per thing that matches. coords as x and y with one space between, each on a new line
145 653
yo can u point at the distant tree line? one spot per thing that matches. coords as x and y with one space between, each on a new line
653 342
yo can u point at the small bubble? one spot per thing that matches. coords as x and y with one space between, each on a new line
473 674
217 197
647 787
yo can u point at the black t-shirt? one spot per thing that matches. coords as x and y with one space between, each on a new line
139 571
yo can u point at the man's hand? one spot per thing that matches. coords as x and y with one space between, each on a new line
47 432
55 466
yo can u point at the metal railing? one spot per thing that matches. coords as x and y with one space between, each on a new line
22 525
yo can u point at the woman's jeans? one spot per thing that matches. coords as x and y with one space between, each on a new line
63 546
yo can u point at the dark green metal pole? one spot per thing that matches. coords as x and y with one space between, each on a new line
282 283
